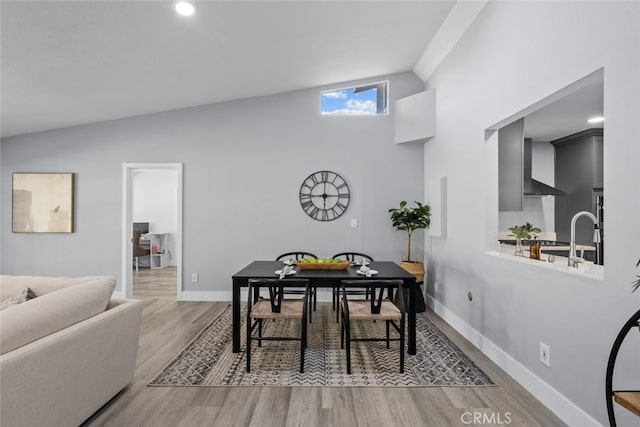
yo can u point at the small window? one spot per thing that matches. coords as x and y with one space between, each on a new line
369 99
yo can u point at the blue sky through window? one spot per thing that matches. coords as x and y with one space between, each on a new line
346 102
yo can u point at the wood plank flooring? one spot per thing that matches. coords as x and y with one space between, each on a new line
169 325
155 283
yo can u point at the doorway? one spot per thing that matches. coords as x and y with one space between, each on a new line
152 204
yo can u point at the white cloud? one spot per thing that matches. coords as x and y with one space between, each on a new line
339 94
366 105
348 112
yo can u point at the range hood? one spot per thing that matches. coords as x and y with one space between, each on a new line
533 187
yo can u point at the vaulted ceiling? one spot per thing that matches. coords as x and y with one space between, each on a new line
66 63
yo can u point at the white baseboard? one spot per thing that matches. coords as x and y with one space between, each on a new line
204 296
550 397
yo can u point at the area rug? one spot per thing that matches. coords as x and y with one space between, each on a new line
208 359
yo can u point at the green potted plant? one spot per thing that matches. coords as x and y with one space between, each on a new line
408 220
523 232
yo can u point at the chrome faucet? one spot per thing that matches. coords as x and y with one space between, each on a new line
574 260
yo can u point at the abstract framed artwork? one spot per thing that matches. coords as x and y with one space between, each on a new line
43 202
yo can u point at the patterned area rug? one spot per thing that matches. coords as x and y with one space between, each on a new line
208 359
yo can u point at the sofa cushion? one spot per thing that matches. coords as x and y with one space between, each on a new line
24 296
49 313
11 286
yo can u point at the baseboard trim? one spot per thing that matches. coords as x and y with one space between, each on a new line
569 412
204 296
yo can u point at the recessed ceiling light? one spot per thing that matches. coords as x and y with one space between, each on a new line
185 8
598 119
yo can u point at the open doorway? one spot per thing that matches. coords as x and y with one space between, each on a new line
152 230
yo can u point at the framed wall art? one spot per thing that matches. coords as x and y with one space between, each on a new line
43 202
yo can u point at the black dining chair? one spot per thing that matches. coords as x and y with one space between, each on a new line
138 250
376 308
353 257
276 308
297 256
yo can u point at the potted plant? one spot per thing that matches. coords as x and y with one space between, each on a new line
523 232
409 220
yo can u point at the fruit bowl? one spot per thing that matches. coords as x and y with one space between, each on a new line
323 266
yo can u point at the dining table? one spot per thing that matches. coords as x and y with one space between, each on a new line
325 278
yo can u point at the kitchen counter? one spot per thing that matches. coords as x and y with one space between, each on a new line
586 269
548 247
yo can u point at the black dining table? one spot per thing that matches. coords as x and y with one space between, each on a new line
387 270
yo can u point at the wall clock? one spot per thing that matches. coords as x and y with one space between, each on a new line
324 195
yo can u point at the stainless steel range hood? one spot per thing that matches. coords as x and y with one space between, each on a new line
533 187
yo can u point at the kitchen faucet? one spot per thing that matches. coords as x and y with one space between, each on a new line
573 258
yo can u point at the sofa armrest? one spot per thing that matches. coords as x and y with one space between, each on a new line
63 378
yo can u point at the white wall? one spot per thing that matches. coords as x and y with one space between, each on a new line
155 192
244 162
515 54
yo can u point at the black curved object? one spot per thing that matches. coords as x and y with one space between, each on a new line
297 256
631 323
349 256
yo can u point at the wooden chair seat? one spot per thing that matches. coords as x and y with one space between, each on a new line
276 307
375 308
361 310
290 309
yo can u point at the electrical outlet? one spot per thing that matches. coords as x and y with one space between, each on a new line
194 277
545 354
354 222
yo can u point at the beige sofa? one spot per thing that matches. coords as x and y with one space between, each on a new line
65 353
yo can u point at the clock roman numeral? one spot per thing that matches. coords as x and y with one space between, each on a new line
339 208
325 215
313 212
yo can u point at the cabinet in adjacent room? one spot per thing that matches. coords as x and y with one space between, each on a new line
579 172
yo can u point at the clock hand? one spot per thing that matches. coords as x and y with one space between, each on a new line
324 195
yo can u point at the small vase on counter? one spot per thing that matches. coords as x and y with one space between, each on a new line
534 249
519 249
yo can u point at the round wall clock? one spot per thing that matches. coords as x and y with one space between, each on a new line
324 195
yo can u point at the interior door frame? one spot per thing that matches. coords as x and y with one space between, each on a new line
127 223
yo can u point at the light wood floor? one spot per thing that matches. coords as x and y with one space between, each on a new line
155 283
169 325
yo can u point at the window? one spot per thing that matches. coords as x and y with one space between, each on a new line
369 99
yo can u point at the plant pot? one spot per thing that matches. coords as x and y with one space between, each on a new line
414 267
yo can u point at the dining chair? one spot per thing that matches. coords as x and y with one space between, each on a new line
353 257
376 308
297 256
276 308
138 250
